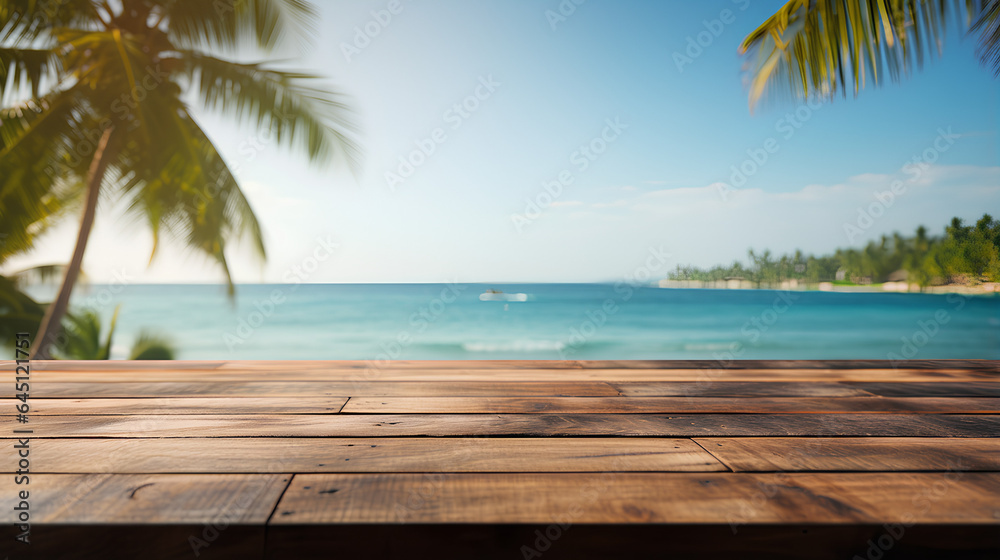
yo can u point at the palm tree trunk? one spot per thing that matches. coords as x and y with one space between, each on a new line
51 327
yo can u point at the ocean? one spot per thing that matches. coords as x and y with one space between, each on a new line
554 321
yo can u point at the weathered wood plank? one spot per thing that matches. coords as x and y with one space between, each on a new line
637 498
739 389
940 389
557 450
950 497
539 498
180 405
666 405
528 425
312 389
325 365
856 454
310 455
147 499
123 365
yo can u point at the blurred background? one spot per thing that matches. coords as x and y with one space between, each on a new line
482 180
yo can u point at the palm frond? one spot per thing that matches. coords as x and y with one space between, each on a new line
39 275
83 336
83 340
18 311
150 346
988 28
105 352
230 24
817 49
39 165
124 67
296 113
28 21
25 69
193 196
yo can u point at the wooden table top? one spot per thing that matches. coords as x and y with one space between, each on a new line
504 459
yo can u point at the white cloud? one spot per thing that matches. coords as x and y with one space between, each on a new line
703 228
615 204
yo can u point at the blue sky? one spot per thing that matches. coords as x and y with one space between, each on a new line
465 213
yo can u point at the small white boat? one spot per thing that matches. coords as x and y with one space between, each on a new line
497 295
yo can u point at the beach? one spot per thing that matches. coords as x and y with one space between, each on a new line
895 287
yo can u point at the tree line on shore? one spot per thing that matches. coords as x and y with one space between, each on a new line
964 254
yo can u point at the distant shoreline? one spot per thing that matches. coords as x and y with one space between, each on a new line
793 285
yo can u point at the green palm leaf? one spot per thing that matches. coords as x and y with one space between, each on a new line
195 197
230 24
19 311
83 337
28 21
165 164
150 346
817 49
988 27
25 69
39 171
296 113
110 78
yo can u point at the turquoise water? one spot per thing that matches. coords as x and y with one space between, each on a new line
558 321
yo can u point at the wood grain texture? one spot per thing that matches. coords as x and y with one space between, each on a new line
527 425
152 499
311 455
951 497
667 405
739 389
540 498
855 454
203 388
181 405
640 498
475 459
941 389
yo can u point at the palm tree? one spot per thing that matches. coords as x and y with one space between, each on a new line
83 337
819 48
107 115
84 341
20 313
